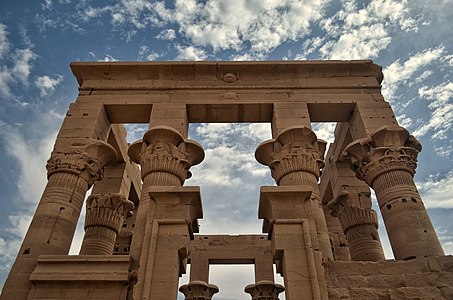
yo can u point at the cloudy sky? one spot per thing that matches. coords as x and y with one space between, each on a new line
412 40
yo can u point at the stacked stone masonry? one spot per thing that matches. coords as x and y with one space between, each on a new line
319 230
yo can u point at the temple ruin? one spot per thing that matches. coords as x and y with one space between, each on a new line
319 229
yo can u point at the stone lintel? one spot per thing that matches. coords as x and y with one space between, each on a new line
82 268
221 74
282 202
187 199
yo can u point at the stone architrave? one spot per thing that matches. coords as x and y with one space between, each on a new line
104 217
198 290
386 160
360 225
70 174
264 290
295 157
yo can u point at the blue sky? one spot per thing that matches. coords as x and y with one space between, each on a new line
412 40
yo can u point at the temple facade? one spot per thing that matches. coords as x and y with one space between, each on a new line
319 229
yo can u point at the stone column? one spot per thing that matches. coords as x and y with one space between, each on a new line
165 158
386 160
264 290
104 217
70 175
360 226
295 157
198 290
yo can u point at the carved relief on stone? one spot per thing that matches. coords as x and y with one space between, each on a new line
264 290
229 77
104 217
85 158
296 149
198 290
163 149
388 149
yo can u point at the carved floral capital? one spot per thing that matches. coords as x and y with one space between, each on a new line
163 149
390 148
84 157
296 149
264 290
107 210
351 216
198 290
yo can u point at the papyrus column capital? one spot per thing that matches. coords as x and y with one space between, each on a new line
84 157
360 225
104 217
264 290
390 148
107 210
295 149
163 149
198 290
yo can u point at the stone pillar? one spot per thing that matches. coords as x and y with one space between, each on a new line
360 226
198 290
104 217
386 160
70 175
264 290
287 218
165 157
295 157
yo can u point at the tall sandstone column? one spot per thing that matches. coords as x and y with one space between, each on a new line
70 175
295 157
386 160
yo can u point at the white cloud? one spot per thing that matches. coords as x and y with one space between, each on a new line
398 73
144 53
23 64
441 119
325 131
4 43
47 4
47 85
32 175
167 34
5 80
437 191
229 24
363 43
108 57
360 33
190 53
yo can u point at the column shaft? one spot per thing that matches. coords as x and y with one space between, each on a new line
386 160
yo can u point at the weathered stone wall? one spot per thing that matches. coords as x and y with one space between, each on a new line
421 278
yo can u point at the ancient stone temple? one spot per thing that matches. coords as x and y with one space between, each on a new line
319 230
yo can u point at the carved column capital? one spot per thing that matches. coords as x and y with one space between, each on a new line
388 149
198 290
163 149
84 157
351 216
104 217
296 149
264 290
107 210
360 226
